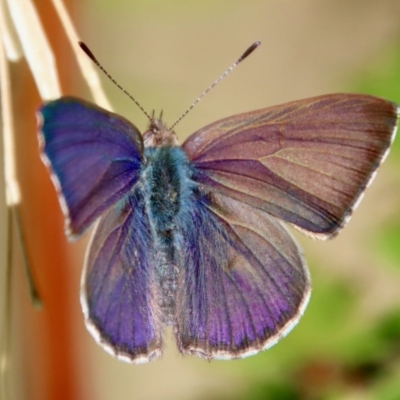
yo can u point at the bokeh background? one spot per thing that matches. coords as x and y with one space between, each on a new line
347 345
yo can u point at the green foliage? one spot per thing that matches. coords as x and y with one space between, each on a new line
389 242
382 78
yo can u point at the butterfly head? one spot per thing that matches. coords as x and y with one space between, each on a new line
159 135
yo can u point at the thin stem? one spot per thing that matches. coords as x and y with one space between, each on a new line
32 287
13 195
87 69
5 345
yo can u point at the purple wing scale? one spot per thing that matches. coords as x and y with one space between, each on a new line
95 157
306 162
118 295
244 281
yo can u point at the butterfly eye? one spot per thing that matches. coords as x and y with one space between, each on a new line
147 137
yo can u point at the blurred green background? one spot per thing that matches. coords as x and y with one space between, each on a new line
165 53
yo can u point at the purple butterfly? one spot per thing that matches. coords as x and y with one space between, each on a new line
191 236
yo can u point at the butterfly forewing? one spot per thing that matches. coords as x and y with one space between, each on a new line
95 157
306 162
118 294
244 283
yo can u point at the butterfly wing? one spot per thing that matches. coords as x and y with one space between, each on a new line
95 158
118 293
306 162
244 281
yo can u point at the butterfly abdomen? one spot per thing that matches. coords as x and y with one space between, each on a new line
167 190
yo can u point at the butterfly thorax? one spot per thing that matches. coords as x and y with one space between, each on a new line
167 184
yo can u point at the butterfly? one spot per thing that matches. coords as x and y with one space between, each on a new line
192 236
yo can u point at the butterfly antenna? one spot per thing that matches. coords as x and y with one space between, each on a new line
228 71
93 58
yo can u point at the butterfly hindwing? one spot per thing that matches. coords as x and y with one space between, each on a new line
118 292
95 157
306 162
244 283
